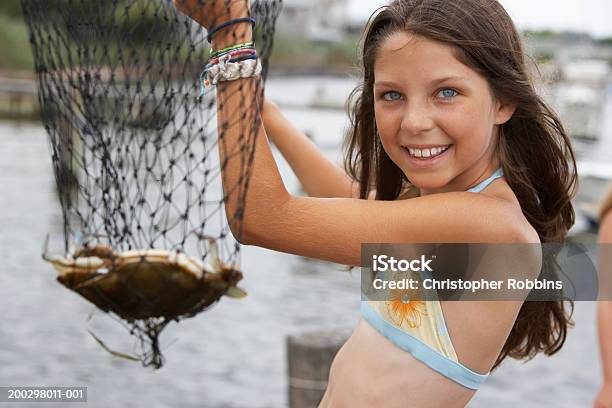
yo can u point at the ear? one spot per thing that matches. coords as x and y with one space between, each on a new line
503 112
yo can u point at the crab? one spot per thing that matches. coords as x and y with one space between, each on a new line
146 283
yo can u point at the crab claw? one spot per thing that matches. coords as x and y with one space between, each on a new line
235 292
45 253
214 250
68 264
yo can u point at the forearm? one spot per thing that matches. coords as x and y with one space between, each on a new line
319 176
238 123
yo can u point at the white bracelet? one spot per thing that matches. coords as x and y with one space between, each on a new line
231 71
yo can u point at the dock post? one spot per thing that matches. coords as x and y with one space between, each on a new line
309 359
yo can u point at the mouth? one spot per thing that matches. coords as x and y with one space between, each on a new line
428 157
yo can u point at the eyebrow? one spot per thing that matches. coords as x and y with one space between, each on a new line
432 82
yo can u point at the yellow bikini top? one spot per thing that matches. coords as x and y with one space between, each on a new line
418 327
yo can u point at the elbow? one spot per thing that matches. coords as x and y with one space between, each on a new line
248 232
240 232
245 228
241 236
261 228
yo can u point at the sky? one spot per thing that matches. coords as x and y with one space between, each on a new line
592 16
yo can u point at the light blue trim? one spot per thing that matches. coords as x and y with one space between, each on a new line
483 184
422 352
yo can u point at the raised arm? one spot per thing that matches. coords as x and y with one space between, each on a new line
333 229
306 160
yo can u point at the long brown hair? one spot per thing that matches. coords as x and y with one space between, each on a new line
533 147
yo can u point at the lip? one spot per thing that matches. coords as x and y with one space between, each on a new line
428 162
420 147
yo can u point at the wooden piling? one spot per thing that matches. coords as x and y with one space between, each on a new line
309 359
18 99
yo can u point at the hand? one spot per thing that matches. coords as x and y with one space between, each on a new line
211 13
604 398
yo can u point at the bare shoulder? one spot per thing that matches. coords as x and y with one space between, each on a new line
495 213
500 192
498 198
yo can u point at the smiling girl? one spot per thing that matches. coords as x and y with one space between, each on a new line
449 144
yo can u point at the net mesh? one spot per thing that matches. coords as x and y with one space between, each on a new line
134 147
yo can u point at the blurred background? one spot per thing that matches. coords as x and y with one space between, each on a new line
236 355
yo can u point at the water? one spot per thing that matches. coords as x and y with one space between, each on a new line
232 356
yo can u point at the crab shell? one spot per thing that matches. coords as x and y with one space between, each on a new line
142 284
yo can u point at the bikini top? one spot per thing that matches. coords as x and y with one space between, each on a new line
418 327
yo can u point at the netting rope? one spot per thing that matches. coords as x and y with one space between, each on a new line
134 153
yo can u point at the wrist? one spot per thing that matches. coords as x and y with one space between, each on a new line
234 34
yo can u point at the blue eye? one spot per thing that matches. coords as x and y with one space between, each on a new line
385 96
448 93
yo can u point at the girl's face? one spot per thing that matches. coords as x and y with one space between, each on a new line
426 100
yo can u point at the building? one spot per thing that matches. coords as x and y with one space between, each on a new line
316 20
581 97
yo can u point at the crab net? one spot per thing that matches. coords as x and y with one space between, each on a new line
133 141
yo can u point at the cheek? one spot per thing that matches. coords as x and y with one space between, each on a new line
386 139
382 120
388 127
467 126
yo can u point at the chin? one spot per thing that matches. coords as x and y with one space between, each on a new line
428 181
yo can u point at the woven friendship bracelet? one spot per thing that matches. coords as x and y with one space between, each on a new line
246 67
243 58
234 70
230 63
246 45
230 57
233 54
228 60
229 70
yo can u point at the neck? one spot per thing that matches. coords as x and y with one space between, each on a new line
466 180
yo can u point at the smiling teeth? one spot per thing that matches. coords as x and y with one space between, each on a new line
427 152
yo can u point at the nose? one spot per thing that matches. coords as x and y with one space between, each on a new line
416 118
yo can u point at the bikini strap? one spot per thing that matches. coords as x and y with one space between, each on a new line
483 184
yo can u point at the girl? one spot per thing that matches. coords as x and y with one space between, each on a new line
445 109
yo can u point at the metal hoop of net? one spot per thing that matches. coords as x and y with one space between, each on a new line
134 149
